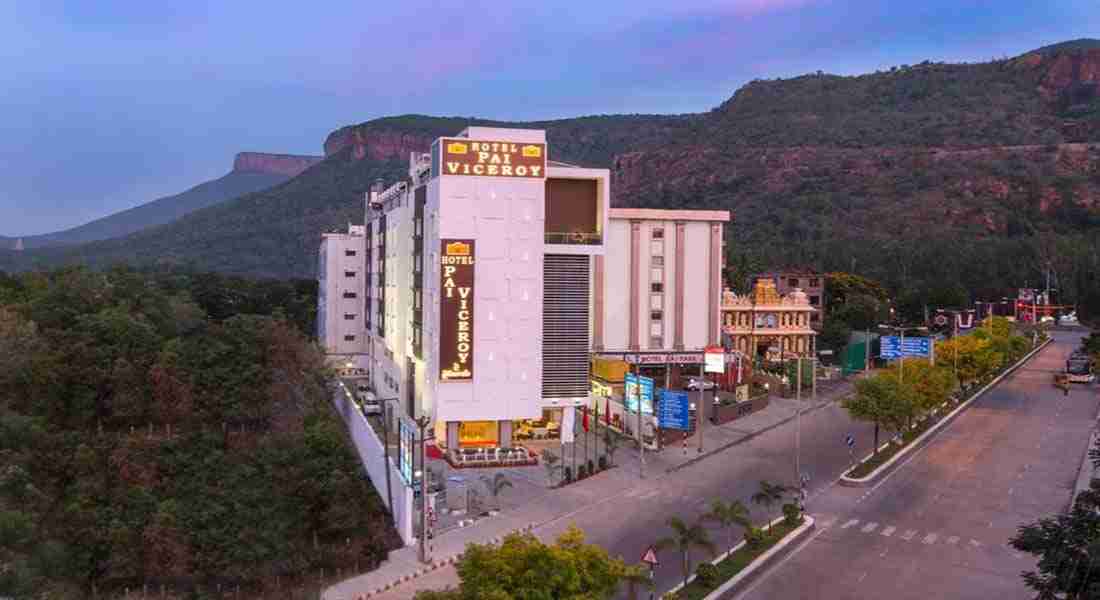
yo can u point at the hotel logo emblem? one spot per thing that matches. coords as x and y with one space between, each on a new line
457 148
531 151
458 249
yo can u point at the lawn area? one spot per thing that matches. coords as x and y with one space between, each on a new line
734 563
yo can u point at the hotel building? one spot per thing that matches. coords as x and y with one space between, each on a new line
341 328
493 274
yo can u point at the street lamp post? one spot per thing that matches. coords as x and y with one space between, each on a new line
422 423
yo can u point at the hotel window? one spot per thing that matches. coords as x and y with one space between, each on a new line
815 282
658 234
656 341
349 338
656 302
655 315
658 261
349 252
793 282
349 317
350 294
656 287
815 300
349 273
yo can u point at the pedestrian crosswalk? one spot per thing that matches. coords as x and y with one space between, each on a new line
926 538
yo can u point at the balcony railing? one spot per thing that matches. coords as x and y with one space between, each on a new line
573 237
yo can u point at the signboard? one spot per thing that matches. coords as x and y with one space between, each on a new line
406 438
650 557
661 358
492 159
674 410
635 386
715 357
456 310
849 440
892 347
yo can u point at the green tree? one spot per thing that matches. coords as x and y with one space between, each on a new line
768 495
635 576
728 514
881 400
522 567
1067 547
685 538
932 384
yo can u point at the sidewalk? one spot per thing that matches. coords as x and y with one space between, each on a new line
542 509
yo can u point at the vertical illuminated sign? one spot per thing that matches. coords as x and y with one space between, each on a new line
456 310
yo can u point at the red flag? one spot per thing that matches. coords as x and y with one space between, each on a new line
584 422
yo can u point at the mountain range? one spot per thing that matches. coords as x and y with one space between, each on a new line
935 175
252 171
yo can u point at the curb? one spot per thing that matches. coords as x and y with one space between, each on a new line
758 563
433 566
925 437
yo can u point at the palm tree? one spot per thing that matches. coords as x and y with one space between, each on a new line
728 514
685 538
496 485
768 495
634 576
611 442
550 461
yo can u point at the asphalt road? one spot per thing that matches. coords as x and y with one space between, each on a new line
627 521
938 526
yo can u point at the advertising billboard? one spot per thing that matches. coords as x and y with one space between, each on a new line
492 159
715 360
456 310
635 387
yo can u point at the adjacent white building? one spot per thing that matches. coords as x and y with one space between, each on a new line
493 274
341 328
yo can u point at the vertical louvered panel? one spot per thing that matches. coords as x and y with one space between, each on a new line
565 344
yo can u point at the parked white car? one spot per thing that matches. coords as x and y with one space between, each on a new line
367 400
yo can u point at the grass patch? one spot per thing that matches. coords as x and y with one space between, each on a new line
734 563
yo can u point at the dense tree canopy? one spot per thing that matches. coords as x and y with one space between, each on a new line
144 439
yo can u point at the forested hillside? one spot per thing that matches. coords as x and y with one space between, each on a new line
171 430
970 178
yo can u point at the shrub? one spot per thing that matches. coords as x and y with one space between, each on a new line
567 475
591 468
582 472
754 536
603 463
791 513
707 574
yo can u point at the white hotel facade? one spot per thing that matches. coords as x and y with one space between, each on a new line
492 276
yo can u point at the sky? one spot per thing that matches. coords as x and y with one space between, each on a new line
108 105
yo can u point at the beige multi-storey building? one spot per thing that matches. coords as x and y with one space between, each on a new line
341 328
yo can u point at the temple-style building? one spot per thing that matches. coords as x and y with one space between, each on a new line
767 325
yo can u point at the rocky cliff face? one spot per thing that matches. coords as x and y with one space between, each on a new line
288 165
377 144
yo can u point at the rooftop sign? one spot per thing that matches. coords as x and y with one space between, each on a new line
492 159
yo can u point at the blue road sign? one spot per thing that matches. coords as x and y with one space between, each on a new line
914 347
673 410
635 387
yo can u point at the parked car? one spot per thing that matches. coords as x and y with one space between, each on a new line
368 401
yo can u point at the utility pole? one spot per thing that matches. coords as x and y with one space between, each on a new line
422 422
798 426
702 402
867 351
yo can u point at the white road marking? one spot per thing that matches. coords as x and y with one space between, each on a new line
829 523
953 540
908 535
849 523
868 528
862 577
889 531
930 538
975 543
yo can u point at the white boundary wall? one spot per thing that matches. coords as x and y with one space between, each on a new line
372 456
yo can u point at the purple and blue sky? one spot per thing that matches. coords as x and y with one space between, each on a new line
107 105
